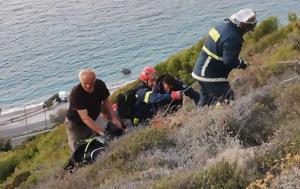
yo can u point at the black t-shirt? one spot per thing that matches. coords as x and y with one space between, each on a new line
80 100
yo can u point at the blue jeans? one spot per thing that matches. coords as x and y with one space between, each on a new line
213 92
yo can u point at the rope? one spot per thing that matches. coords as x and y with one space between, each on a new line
183 91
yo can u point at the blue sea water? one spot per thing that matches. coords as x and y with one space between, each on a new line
44 43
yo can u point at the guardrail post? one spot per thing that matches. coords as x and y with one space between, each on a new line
25 114
45 118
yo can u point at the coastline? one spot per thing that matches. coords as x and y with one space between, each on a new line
21 120
34 105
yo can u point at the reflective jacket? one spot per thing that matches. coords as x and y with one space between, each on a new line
147 105
219 54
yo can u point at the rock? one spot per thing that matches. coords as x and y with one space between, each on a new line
126 71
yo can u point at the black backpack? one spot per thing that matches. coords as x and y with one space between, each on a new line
125 103
88 149
86 152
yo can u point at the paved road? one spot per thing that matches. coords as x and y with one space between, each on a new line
21 129
16 124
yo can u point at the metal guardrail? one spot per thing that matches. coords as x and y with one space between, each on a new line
26 117
32 117
21 117
28 121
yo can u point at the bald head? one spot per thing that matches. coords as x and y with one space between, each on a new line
87 79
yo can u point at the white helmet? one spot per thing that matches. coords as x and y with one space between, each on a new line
245 19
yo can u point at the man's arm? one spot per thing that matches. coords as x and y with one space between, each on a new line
150 97
231 50
89 121
108 105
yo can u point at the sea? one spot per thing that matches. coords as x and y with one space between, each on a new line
44 43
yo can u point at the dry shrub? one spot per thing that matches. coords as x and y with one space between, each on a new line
270 75
244 158
252 117
197 139
288 100
287 174
204 136
287 180
220 175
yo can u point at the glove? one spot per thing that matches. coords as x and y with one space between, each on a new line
243 64
113 130
176 95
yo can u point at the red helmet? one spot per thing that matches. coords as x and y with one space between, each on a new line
148 73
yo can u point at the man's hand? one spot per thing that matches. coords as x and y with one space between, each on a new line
176 95
108 104
89 121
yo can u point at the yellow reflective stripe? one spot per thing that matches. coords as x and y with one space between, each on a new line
147 96
211 54
86 147
208 79
214 34
135 121
205 65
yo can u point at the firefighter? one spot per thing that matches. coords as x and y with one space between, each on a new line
148 97
167 84
220 55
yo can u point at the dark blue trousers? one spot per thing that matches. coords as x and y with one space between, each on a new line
213 92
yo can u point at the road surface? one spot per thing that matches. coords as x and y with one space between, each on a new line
24 122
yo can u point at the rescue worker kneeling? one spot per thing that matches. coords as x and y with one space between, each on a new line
148 97
168 84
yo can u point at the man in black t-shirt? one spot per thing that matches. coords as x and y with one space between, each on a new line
86 99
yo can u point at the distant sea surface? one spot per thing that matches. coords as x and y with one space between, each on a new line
44 43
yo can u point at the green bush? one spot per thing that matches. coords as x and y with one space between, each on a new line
7 167
5 145
270 40
266 27
292 17
39 156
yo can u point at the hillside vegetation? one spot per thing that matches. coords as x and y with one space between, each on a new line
252 143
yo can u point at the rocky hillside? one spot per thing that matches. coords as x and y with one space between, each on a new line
252 143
